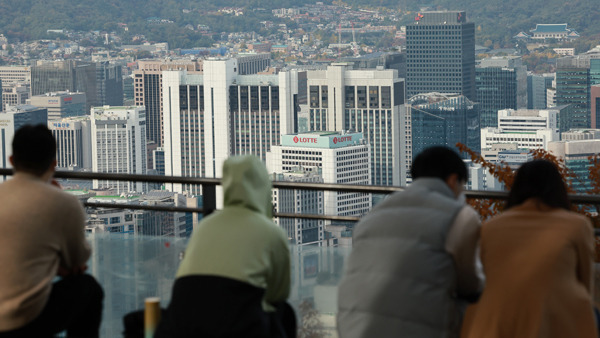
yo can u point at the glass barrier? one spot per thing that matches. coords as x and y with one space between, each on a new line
133 267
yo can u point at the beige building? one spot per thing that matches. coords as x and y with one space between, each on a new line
12 75
14 95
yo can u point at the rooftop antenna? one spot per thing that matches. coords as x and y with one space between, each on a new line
339 37
354 44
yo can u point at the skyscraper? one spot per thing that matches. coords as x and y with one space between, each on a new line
119 145
363 101
442 119
109 84
148 91
69 75
210 117
501 84
537 85
440 54
334 158
573 89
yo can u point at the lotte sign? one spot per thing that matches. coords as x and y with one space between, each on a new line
342 139
304 139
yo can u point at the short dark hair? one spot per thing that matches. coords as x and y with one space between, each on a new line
33 149
440 162
539 179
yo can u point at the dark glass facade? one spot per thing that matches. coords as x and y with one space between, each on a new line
573 89
496 90
440 54
445 122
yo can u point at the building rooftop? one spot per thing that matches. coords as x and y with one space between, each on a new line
551 28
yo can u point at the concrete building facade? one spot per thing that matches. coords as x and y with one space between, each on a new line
119 145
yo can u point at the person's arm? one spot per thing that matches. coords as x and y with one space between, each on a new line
278 280
76 250
462 243
584 244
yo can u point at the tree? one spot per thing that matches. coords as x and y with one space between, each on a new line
505 175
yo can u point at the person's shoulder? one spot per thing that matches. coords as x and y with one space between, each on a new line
61 199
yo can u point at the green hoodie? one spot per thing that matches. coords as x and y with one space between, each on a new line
241 241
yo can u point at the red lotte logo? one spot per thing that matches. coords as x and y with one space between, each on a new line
342 139
304 139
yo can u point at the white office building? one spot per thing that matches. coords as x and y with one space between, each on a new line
73 142
209 117
13 119
61 104
300 231
370 102
119 145
527 128
338 158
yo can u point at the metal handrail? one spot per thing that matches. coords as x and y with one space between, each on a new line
209 195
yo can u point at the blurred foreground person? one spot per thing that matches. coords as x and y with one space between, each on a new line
413 260
42 231
537 257
235 276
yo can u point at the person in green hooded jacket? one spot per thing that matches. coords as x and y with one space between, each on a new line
235 276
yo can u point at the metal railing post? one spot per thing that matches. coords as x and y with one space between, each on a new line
209 199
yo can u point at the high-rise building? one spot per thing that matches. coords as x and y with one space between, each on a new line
109 84
573 89
11 120
595 104
12 75
210 117
73 142
300 231
67 75
128 91
119 145
370 102
595 71
14 95
440 54
537 84
440 119
148 91
529 129
61 104
501 84
332 156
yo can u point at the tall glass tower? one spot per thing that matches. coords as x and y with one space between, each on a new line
440 54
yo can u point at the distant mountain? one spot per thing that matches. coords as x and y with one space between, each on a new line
497 21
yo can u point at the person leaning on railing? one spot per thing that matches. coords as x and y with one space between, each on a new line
413 261
235 276
42 231
538 259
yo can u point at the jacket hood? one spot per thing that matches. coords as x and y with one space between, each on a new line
246 183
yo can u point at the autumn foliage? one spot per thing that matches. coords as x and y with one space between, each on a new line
505 175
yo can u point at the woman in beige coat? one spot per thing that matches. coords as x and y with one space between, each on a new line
537 257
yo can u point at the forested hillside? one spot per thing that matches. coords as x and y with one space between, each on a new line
497 21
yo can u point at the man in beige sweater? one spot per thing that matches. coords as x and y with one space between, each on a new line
42 236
